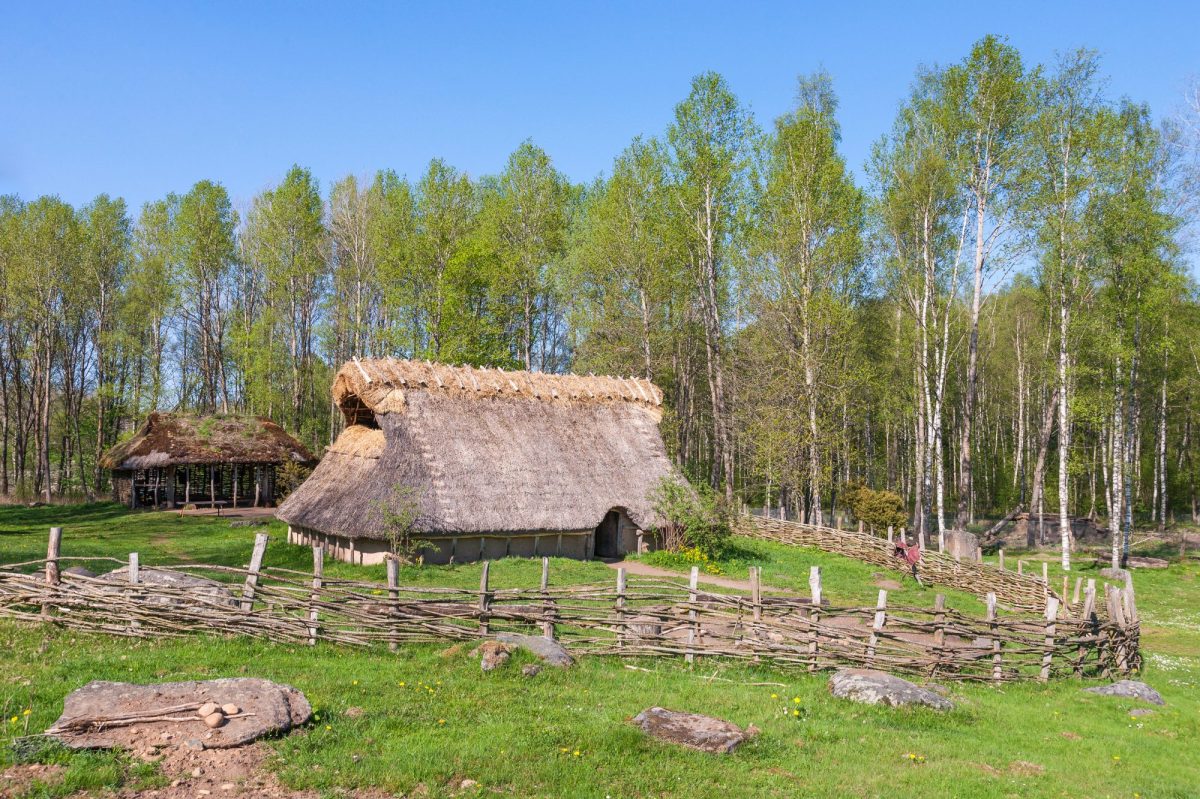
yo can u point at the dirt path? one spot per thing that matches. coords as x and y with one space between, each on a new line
646 570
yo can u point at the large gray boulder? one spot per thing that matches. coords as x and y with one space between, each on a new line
880 688
705 733
96 716
550 651
1129 689
199 589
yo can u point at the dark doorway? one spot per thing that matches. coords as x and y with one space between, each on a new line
606 536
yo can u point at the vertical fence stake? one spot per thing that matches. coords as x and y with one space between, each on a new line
891 534
1020 566
814 616
939 632
756 594
134 578
1047 656
256 559
693 582
877 627
1046 574
315 597
1087 621
1116 615
53 551
393 580
1001 550
547 605
620 607
484 600
997 645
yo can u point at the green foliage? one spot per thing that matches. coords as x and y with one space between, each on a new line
400 512
878 509
288 477
697 518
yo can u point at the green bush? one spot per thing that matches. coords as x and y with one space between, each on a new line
877 509
696 517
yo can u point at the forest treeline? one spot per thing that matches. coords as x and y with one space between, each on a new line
996 312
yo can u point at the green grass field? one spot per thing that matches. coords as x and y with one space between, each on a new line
432 719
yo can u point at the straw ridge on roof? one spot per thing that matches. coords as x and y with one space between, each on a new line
168 439
484 450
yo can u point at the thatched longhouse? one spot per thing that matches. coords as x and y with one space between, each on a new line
178 459
492 463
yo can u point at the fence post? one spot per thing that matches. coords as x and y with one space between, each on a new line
1116 615
814 616
1048 655
997 645
393 580
939 632
1001 551
315 597
693 582
256 559
53 550
891 534
1046 574
756 593
1087 621
133 581
1130 604
877 627
484 600
1020 566
1075 597
547 605
620 607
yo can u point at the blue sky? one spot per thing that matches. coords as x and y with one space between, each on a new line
139 99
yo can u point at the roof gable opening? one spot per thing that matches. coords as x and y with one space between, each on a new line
356 412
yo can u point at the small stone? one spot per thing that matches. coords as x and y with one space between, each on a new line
166 736
175 783
353 712
195 744
230 709
227 786
1138 712
207 709
1129 689
204 792
551 652
214 720
706 733
495 655
531 669
465 784
197 771
879 688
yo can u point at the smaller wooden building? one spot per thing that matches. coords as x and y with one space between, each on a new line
176 459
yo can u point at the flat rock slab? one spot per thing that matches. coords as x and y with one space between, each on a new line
693 730
1109 573
270 708
551 652
881 688
1139 562
1129 689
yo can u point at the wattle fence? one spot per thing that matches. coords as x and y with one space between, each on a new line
629 617
1012 588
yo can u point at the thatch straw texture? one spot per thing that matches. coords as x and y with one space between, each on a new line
170 439
484 451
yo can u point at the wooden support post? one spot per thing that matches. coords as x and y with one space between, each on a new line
1048 655
814 616
256 559
1001 551
1130 601
1075 597
891 534
482 547
877 627
485 600
693 631
1066 591
620 607
860 526
756 593
1087 621
939 632
1020 566
53 551
1116 614
1046 573
393 580
547 605
315 597
134 578
978 554
997 644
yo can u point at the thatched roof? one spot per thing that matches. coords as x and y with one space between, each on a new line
173 439
484 450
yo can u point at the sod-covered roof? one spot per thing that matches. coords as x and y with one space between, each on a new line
175 439
484 450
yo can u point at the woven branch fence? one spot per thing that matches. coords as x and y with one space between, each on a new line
628 618
1013 589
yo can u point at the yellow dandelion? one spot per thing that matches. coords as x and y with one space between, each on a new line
441 721
795 712
328 727
774 696
564 749
13 720
354 682
1116 757
911 756
27 712
576 753
402 683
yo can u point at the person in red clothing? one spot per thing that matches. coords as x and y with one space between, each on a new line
911 554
